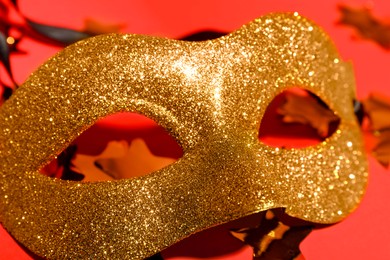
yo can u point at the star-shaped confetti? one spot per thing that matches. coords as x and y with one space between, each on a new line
300 107
366 24
120 160
272 239
377 108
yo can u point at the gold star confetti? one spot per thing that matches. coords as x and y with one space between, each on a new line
120 160
305 109
366 24
272 239
377 108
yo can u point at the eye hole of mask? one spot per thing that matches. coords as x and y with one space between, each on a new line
120 146
297 118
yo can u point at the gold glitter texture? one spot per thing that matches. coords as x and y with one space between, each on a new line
211 97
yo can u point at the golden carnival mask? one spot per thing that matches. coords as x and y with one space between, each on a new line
211 97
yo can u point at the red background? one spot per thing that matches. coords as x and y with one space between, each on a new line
364 234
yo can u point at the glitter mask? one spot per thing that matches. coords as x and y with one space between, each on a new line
211 97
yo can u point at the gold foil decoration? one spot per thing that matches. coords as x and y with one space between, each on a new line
273 239
120 160
211 97
377 108
305 109
367 25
